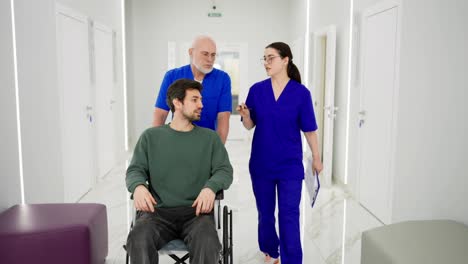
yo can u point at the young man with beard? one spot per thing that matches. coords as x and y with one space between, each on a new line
217 98
174 174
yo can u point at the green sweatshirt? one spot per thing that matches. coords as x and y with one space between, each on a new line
178 165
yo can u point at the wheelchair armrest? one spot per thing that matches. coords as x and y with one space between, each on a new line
219 195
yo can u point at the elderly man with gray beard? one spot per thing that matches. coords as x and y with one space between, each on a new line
217 98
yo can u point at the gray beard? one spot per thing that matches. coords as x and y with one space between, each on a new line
202 70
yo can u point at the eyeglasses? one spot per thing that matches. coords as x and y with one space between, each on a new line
268 60
207 54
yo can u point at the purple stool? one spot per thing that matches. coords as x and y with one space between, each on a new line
54 234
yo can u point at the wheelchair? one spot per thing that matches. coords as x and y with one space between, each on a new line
177 247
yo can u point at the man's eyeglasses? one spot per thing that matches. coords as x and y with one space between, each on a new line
268 60
207 55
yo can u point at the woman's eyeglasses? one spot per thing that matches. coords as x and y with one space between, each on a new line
268 60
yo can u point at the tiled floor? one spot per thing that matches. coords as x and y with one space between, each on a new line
336 220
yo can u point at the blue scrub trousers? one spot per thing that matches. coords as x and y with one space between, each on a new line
289 198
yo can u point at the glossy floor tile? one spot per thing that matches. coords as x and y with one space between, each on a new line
331 231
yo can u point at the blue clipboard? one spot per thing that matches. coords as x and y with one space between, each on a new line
316 189
313 187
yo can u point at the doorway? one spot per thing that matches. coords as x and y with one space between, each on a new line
323 95
76 102
378 108
104 85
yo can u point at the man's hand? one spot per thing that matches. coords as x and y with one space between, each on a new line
204 201
143 199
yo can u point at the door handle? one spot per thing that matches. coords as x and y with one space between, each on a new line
362 115
361 122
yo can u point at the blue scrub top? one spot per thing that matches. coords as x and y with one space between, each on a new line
216 93
276 145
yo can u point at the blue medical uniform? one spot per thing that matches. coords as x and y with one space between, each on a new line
276 163
216 94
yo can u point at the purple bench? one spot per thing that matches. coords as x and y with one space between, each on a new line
54 234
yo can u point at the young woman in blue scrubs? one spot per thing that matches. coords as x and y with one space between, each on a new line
279 108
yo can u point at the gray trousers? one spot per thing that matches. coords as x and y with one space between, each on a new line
152 231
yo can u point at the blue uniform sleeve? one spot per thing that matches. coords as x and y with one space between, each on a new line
307 120
225 100
250 102
161 100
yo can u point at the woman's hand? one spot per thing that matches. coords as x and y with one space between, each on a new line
243 110
317 165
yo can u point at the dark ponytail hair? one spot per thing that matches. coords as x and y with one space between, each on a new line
284 51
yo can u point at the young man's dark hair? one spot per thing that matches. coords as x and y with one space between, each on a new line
178 88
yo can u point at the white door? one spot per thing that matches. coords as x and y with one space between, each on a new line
104 84
377 108
76 103
323 91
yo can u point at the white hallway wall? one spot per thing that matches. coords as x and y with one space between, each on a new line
297 28
431 144
39 94
152 23
10 193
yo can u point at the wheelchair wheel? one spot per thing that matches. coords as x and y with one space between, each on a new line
227 236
